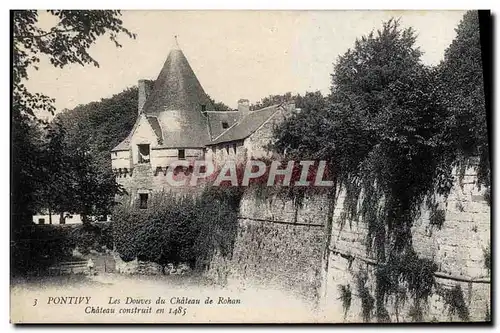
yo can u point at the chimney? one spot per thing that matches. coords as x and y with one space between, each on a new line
144 88
243 107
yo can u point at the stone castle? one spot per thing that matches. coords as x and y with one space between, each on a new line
177 121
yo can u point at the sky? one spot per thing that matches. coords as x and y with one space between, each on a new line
235 54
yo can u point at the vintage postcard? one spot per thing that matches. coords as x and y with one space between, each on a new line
250 166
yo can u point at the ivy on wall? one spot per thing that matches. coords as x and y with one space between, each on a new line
393 130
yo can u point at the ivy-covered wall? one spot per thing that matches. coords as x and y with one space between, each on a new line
454 234
281 243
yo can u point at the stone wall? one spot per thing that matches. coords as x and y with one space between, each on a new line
278 244
282 244
457 247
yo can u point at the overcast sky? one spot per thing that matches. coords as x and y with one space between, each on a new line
235 54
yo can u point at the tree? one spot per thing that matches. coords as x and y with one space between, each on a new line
462 85
310 101
53 192
101 125
219 106
65 43
383 132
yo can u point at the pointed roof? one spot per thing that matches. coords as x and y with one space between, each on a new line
177 97
176 87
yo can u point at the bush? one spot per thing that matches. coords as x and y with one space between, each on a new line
178 228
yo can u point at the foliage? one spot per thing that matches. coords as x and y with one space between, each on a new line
437 217
27 176
389 132
454 299
367 300
100 126
310 101
417 276
35 248
218 106
163 233
487 258
67 42
346 297
462 84
178 228
73 182
217 222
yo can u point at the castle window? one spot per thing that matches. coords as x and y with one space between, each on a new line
143 200
225 125
181 154
143 153
203 108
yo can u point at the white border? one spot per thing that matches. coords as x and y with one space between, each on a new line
193 4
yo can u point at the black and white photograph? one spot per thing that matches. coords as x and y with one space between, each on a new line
250 166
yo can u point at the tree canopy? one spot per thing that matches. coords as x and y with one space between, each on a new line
392 130
67 42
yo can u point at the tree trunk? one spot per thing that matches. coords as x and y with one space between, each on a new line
163 270
85 219
62 219
50 216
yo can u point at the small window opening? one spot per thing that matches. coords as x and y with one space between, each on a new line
225 125
213 149
181 154
143 153
143 200
41 221
234 147
203 108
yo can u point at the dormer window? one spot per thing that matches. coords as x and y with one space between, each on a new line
225 125
143 153
181 154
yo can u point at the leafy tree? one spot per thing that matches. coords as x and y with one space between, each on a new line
65 43
384 134
27 174
219 106
462 84
101 126
53 191
310 101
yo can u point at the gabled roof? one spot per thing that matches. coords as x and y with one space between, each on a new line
155 125
125 144
246 126
216 118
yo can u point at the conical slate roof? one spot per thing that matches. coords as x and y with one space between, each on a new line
176 101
